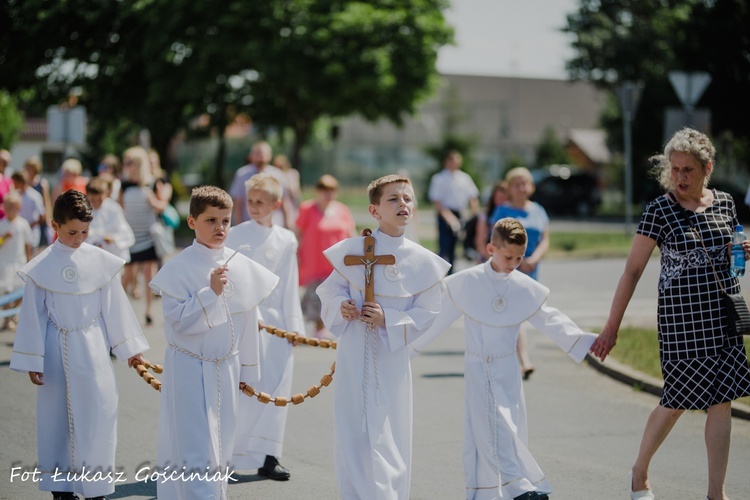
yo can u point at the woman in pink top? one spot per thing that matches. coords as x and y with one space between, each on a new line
321 223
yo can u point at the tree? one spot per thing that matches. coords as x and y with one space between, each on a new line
335 58
550 151
287 63
642 40
11 121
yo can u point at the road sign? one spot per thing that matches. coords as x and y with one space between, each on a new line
66 125
689 86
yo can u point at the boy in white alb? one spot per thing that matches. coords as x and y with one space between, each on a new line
260 433
495 299
109 229
15 250
74 311
15 243
210 298
373 388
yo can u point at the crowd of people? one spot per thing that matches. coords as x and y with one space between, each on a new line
382 296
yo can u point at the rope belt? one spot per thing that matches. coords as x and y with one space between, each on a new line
370 330
64 332
491 407
217 361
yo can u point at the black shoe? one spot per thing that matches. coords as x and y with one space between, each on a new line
63 495
96 498
532 495
149 321
272 469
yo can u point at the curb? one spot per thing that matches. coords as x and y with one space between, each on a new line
646 383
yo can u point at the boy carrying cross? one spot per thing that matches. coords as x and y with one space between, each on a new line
382 295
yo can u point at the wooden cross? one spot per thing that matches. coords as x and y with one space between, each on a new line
369 259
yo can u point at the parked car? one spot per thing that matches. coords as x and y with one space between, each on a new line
573 194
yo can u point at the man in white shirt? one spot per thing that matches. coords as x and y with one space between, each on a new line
451 190
260 159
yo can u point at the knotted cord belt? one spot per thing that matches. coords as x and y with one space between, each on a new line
64 332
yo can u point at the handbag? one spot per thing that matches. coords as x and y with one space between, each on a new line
163 237
738 315
171 217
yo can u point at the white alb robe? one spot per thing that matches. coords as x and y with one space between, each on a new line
497 461
373 387
74 311
261 426
109 220
212 346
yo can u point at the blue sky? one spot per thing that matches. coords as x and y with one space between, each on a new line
508 38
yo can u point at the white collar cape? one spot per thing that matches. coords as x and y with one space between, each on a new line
474 291
73 271
416 270
267 244
190 270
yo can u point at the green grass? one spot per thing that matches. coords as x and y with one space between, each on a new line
589 245
639 349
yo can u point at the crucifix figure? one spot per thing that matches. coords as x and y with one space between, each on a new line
369 259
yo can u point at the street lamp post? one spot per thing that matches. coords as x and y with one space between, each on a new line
629 93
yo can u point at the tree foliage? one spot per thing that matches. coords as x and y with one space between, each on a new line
643 40
550 150
160 64
11 121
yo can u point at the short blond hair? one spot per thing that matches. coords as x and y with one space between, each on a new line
13 198
375 189
266 183
72 166
519 172
509 230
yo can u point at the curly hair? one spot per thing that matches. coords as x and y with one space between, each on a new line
686 140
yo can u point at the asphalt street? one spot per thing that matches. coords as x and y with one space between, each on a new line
584 428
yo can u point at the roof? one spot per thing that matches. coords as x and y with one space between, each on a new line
34 129
592 142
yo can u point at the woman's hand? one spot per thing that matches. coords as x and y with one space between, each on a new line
746 248
373 314
604 343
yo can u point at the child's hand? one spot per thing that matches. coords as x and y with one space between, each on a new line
373 314
136 360
218 279
37 378
349 310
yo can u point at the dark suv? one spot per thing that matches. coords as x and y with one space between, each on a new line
577 194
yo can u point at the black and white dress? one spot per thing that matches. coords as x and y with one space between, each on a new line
701 365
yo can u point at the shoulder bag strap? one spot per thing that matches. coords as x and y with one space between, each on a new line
686 218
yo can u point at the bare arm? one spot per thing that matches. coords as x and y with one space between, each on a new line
640 252
530 262
448 216
481 237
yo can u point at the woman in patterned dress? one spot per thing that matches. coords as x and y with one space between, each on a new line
703 368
